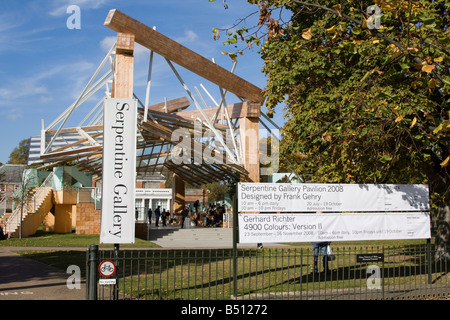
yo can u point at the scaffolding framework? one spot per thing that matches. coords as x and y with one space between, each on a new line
221 142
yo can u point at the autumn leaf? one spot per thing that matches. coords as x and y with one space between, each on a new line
428 67
334 37
307 34
445 162
432 84
413 123
377 71
338 8
332 29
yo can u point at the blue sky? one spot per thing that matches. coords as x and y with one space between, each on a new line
44 65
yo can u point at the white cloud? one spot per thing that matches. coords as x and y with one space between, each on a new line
14 116
45 99
107 43
40 83
60 6
19 90
189 37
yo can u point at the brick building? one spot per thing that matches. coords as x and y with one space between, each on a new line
10 181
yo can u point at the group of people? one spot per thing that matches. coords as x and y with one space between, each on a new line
212 218
159 215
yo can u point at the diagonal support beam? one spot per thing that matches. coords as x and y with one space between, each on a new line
182 56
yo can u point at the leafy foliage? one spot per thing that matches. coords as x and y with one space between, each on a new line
366 88
20 154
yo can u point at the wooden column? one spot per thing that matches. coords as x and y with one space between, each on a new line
178 194
249 132
123 69
63 218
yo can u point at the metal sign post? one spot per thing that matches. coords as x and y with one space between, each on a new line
116 259
235 240
119 175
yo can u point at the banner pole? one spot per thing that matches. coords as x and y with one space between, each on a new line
235 235
116 262
429 266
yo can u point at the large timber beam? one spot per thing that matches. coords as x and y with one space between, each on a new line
183 56
171 105
235 111
123 69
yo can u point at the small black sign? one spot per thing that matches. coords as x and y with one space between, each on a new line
370 257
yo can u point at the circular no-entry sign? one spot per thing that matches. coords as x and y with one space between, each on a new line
107 268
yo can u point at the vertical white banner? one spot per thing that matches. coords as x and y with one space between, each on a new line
119 171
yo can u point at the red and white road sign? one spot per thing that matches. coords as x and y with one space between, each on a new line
107 268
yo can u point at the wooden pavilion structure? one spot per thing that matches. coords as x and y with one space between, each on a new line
219 143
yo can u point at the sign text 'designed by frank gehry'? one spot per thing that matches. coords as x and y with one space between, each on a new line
350 212
119 166
313 197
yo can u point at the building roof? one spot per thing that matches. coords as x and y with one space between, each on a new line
11 173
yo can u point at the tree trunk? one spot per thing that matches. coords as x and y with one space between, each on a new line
442 240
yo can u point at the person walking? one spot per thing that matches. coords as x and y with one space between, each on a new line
149 215
157 215
322 247
184 214
163 217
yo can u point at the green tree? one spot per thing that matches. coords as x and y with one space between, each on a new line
20 154
217 191
366 90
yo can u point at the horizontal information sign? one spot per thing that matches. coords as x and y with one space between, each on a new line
306 227
299 197
103 282
370 257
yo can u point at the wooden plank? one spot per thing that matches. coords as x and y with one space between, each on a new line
125 43
88 137
123 69
235 111
253 109
175 120
79 152
182 56
178 194
172 105
249 133
86 129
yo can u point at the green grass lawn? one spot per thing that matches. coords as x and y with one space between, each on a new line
179 274
48 239
63 258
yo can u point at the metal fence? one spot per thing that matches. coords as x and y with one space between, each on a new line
357 273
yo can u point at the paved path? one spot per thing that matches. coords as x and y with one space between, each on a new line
23 278
26 279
